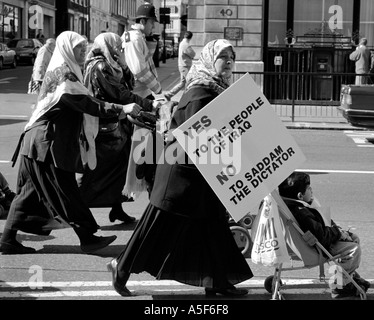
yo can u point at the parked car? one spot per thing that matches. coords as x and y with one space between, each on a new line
168 49
7 56
26 49
356 105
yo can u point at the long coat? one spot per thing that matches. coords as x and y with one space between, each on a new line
59 130
181 188
102 187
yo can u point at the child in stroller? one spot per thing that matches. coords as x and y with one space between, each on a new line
297 193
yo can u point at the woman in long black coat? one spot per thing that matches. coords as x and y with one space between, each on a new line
184 233
107 80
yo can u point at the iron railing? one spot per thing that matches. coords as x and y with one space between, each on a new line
287 90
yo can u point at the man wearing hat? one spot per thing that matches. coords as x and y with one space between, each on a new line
139 52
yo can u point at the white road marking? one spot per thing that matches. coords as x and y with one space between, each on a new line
360 138
2 116
336 171
8 290
6 80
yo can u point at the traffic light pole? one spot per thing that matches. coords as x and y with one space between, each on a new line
164 34
164 51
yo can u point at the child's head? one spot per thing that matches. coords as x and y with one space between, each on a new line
297 186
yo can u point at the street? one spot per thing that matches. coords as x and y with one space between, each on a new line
342 171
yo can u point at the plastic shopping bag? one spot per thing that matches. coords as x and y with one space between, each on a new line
269 246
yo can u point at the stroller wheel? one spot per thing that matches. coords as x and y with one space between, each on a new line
242 238
247 222
269 284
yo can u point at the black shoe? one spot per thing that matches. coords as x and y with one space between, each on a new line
348 291
230 292
97 243
116 214
15 248
120 289
362 282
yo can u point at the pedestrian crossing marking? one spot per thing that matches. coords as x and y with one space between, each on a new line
362 139
156 283
6 80
144 289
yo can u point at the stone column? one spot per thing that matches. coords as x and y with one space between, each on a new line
243 22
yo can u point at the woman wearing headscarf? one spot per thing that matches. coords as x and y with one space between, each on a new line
107 77
40 66
57 143
184 233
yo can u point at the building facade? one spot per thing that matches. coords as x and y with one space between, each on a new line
24 19
302 36
73 15
111 16
178 8
259 29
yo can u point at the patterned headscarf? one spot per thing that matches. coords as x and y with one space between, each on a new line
107 44
203 71
64 76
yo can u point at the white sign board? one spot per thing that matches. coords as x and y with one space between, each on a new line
240 146
278 60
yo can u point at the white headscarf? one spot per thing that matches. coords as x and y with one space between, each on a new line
64 76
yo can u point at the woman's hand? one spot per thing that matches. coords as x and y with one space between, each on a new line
132 109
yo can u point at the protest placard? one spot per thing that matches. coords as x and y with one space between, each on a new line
240 146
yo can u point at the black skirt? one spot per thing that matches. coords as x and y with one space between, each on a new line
47 198
102 187
198 252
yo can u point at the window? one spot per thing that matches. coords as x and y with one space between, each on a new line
309 17
277 21
366 21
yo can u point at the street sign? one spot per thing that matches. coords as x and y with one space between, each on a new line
233 33
165 15
165 10
278 60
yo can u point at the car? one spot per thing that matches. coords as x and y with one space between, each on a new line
356 105
26 49
7 56
168 49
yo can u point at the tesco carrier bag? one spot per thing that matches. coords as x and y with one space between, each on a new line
269 246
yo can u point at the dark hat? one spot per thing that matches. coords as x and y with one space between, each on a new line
146 11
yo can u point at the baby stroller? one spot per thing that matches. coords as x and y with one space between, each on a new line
301 246
151 132
241 233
